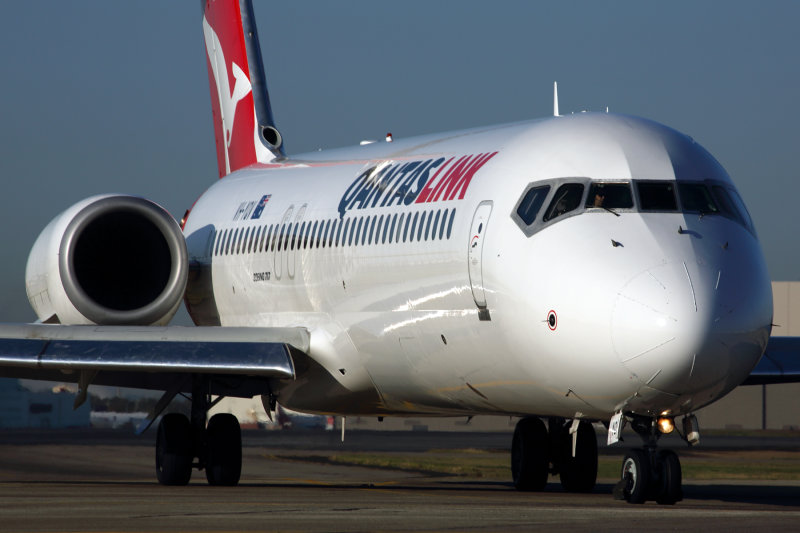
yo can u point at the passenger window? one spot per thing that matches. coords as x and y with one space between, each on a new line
441 228
531 203
450 224
372 231
220 238
345 230
428 225
696 198
231 242
300 236
391 229
610 196
314 236
286 237
358 230
435 224
567 198
656 196
237 242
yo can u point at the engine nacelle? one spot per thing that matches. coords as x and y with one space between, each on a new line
112 260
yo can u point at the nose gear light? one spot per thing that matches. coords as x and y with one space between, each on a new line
666 425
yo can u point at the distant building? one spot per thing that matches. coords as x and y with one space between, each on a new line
22 408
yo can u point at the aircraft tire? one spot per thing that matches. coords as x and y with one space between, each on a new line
671 491
579 473
529 455
224 458
637 472
174 451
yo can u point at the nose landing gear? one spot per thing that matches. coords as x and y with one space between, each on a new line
649 473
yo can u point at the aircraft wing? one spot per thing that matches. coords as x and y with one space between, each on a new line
779 364
238 360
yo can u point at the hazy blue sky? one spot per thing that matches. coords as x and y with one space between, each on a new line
104 96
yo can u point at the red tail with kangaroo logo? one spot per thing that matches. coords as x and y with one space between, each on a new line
243 124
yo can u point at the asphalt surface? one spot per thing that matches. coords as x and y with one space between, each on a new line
104 481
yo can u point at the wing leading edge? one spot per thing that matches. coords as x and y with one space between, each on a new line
779 364
147 357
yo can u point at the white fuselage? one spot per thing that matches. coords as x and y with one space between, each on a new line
472 310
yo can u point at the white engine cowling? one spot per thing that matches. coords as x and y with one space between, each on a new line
111 260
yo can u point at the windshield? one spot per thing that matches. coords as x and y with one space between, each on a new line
610 196
657 195
575 196
567 198
696 198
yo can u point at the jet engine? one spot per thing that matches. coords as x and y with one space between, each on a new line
109 260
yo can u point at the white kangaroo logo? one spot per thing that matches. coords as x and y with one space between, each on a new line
227 99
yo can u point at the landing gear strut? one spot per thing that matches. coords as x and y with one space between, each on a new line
537 451
649 473
217 447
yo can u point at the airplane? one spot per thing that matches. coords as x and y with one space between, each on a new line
567 270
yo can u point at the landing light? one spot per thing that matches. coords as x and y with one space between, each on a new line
666 425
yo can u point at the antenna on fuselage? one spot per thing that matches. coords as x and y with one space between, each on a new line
555 99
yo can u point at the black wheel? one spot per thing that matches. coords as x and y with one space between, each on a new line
636 473
224 458
579 473
671 478
529 455
174 451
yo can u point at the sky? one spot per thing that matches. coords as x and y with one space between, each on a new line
101 97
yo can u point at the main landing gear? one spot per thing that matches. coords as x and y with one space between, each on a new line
216 446
565 448
649 473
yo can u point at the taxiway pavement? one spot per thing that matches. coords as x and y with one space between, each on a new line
104 481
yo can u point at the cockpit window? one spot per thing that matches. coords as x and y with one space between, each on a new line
567 198
656 196
741 210
573 196
531 203
696 198
610 196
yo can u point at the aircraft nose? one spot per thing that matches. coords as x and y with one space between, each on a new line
655 328
682 328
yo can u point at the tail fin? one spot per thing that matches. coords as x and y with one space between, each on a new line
243 124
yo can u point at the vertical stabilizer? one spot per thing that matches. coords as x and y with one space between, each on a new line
243 125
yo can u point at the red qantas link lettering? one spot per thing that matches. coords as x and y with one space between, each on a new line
404 183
